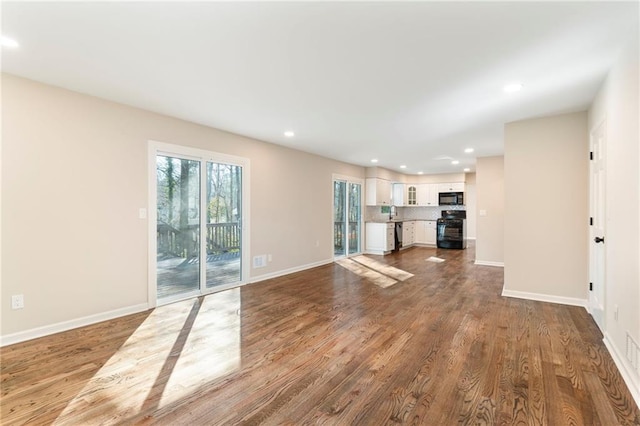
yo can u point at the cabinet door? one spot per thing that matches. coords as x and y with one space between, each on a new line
377 192
451 187
430 231
432 194
398 194
383 192
421 232
412 193
422 194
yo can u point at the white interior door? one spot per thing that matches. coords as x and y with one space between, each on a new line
597 250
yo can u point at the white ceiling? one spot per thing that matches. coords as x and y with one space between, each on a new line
406 82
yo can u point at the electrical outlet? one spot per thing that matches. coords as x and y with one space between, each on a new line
268 258
615 312
17 301
260 261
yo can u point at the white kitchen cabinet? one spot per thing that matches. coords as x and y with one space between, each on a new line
431 231
421 195
380 237
398 194
411 195
425 232
408 233
427 194
451 187
378 192
421 232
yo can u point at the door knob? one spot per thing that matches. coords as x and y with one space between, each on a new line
599 239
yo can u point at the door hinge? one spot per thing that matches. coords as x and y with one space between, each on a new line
591 221
591 155
590 286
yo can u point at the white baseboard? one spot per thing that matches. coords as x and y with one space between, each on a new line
546 298
488 263
46 330
631 380
289 271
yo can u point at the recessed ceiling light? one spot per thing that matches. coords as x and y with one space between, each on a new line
403 166
289 134
512 87
8 42
467 169
468 150
420 173
374 160
455 162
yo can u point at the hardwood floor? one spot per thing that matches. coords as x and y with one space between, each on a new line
326 346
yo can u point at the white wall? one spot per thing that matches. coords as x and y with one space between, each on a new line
490 201
74 174
617 103
471 200
546 175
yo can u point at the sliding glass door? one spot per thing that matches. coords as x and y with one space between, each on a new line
199 223
178 228
224 224
347 217
354 213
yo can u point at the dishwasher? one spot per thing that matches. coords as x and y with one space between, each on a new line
398 236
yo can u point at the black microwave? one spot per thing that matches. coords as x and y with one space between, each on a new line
451 198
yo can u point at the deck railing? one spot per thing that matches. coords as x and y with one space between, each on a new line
221 238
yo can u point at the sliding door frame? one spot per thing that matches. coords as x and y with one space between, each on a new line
348 180
156 148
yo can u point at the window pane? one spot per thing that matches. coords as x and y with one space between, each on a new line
339 219
178 230
224 227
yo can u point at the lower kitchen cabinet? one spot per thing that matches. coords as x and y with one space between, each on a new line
408 233
426 232
380 237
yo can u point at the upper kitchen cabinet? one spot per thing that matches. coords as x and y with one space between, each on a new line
378 192
415 194
412 195
398 194
427 194
451 187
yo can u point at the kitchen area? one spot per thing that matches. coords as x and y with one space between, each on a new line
431 211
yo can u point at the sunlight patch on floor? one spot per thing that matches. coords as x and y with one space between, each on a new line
378 273
385 269
168 357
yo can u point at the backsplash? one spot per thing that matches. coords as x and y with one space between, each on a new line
374 214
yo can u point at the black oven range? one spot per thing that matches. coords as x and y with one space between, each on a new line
452 229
